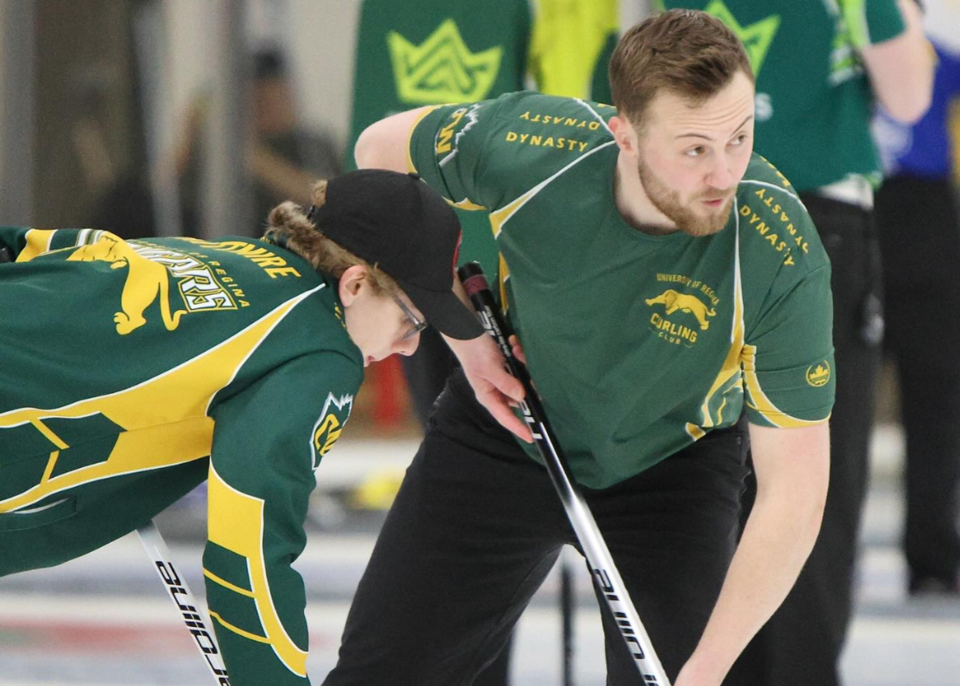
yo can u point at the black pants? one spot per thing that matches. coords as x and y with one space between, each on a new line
426 372
919 229
802 642
477 526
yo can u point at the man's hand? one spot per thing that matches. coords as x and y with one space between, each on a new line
793 470
517 349
495 388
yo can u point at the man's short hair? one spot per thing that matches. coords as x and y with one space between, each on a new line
686 52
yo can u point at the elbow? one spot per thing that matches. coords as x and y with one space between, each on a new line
910 108
365 150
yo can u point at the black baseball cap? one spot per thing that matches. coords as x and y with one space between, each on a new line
398 223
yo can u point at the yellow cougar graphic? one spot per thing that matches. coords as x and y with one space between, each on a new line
144 281
674 301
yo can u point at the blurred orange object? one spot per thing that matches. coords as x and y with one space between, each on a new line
390 403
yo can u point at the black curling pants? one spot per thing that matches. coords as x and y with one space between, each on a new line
477 526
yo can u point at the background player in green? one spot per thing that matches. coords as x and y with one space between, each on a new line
820 68
661 279
136 369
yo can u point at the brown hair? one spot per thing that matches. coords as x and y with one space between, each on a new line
288 226
687 52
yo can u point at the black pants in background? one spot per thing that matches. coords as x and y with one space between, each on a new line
477 526
802 642
919 229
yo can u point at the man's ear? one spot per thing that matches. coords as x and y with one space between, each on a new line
624 134
352 282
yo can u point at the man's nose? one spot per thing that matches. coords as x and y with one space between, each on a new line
720 175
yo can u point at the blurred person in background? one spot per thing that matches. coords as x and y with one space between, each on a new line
821 67
283 157
919 231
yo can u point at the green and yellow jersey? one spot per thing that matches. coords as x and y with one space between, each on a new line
639 344
814 102
126 365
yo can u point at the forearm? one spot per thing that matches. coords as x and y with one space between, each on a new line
776 542
901 70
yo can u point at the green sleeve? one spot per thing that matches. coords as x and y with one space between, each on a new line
790 376
488 154
871 21
26 243
268 439
14 239
447 149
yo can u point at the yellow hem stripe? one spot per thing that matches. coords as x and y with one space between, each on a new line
51 463
763 404
226 584
238 630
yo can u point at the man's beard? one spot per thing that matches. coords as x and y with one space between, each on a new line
668 202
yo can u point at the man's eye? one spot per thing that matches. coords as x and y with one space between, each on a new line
694 152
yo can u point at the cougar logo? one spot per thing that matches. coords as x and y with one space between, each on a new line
674 301
145 281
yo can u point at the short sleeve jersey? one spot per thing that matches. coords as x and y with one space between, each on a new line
639 344
814 101
126 363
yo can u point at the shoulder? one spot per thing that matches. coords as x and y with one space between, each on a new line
548 117
774 222
512 115
538 136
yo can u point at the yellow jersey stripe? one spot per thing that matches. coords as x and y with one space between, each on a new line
730 371
761 403
411 167
142 448
38 242
236 523
51 463
237 630
226 584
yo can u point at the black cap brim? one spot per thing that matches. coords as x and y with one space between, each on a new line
445 312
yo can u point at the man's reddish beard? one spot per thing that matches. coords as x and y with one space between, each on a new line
668 202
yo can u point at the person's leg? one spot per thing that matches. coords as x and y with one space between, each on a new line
472 534
672 531
918 231
802 642
931 418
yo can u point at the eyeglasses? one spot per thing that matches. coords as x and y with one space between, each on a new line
416 325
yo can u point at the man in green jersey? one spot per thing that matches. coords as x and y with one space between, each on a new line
662 279
821 67
134 370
